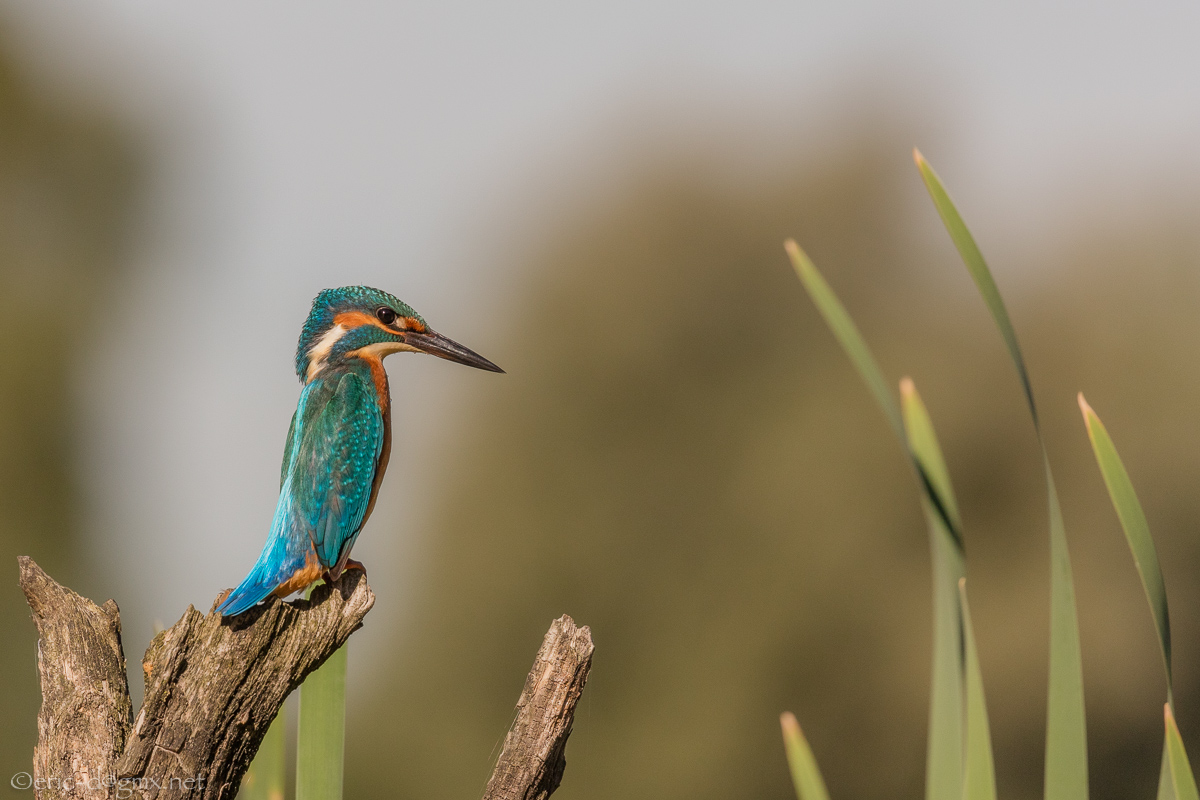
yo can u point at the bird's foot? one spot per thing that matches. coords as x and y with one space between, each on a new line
331 578
220 599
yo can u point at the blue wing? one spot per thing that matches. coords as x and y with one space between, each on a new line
333 464
328 476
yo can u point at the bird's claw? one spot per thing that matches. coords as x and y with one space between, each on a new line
330 578
220 599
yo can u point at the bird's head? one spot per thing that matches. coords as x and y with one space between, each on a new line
361 322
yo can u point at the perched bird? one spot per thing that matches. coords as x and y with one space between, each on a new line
340 438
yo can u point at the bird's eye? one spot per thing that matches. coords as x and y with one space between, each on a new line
386 315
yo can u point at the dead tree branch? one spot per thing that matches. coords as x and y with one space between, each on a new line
534 756
213 685
86 713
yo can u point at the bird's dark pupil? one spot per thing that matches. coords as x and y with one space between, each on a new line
386 315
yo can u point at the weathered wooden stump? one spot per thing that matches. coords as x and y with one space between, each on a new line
214 685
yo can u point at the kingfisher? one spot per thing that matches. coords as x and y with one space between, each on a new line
340 438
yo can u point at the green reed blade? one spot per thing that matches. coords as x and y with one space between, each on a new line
1145 557
265 778
852 342
846 332
979 780
320 745
1133 522
978 268
1066 729
944 767
923 444
1066 725
806 776
1166 788
1182 780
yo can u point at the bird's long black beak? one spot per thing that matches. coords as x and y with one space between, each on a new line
437 345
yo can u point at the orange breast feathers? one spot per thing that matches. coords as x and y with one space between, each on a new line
372 356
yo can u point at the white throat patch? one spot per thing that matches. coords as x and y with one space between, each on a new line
381 349
320 351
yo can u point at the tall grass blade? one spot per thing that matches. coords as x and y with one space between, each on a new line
265 778
846 332
806 777
973 258
1182 780
1066 729
944 764
1166 788
944 758
1145 557
925 450
1137 530
979 780
1066 725
320 745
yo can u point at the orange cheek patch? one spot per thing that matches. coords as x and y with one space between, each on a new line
356 319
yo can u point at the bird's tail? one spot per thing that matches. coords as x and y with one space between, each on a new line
274 567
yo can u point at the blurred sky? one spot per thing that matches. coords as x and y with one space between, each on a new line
301 145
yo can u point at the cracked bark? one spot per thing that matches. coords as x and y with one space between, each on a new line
214 685
531 764
86 713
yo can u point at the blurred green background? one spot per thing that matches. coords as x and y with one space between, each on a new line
68 182
691 467
680 456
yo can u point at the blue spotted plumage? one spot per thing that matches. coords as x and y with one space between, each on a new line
339 441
